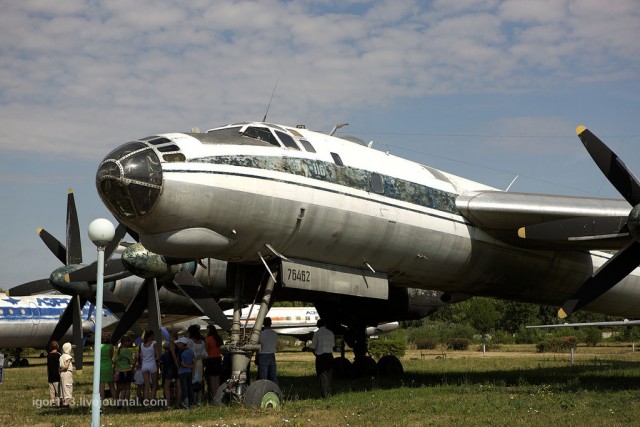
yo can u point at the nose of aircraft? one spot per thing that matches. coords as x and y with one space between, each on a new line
129 179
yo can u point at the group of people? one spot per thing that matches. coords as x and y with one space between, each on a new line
185 366
188 367
60 374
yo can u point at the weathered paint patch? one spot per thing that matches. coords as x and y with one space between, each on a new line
360 179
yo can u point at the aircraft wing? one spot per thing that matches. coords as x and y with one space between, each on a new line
537 221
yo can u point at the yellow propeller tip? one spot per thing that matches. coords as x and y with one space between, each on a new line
562 314
67 278
69 190
39 230
580 129
522 233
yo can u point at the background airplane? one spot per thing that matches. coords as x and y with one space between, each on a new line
298 322
28 322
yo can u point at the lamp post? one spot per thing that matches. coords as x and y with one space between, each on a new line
101 232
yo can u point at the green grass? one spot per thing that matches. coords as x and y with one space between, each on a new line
515 386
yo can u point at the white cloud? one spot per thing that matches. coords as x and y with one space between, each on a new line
98 67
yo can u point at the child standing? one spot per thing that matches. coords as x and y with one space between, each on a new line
185 370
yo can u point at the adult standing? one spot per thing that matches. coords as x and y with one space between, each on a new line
149 358
267 356
213 362
123 364
169 374
322 345
106 366
196 344
53 373
66 375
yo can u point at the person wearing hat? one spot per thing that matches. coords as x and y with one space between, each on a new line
185 371
66 375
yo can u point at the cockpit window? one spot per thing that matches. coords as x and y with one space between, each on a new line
307 145
337 159
287 140
125 150
155 140
261 134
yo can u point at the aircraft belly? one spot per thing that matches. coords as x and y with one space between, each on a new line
24 333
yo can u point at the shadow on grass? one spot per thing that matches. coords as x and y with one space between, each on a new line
602 375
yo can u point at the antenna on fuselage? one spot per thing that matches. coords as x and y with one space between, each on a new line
336 127
514 180
264 119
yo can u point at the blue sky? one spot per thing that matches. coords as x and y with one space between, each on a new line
483 89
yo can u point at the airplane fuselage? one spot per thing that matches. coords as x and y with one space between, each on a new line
29 321
226 194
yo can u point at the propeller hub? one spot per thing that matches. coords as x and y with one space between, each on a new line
59 283
143 263
634 222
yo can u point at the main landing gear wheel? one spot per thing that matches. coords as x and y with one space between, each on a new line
263 394
341 367
364 366
390 366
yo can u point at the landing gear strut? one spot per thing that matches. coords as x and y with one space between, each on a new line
262 393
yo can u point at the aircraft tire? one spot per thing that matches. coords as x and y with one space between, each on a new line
221 398
24 363
263 394
390 366
342 368
365 366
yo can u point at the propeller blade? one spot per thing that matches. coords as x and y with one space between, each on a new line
121 230
30 288
191 288
113 303
611 166
64 323
113 270
583 228
74 246
72 315
607 276
133 312
54 245
133 234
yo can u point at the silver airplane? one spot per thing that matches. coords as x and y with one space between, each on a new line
332 216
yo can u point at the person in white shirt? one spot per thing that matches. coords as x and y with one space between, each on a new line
322 344
267 355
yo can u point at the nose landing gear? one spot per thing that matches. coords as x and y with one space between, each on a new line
262 393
